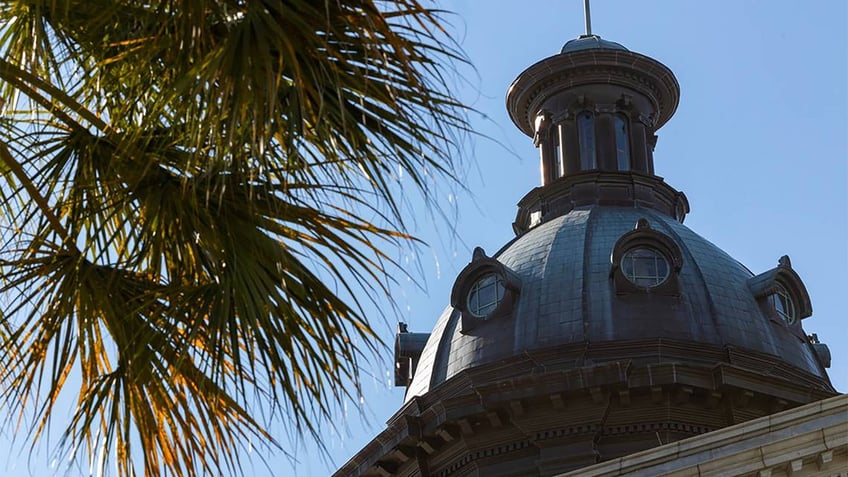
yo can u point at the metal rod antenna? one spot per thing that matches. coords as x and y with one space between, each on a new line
588 17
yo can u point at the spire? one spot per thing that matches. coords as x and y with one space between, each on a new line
588 17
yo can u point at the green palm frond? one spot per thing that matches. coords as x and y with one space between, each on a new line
194 194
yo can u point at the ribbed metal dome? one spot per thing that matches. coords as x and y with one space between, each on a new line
567 298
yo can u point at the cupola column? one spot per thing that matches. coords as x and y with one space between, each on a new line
652 143
547 140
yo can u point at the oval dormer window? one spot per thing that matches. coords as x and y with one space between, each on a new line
485 295
646 261
644 267
484 292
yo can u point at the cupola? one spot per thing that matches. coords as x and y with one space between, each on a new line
592 111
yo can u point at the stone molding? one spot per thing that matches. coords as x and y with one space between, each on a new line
810 440
623 68
536 408
598 188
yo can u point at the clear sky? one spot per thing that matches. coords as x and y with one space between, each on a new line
759 144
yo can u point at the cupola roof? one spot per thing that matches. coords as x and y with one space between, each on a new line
588 42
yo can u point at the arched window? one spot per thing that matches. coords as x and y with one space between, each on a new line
782 296
781 301
622 143
586 133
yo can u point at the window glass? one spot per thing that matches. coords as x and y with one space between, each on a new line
586 136
558 159
782 303
485 295
622 143
644 267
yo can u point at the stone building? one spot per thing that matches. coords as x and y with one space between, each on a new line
607 338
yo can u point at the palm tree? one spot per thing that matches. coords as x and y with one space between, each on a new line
196 194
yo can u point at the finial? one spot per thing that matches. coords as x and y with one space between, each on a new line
588 17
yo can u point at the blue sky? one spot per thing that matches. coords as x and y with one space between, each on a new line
759 144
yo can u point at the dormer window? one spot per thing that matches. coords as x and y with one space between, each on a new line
485 295
781 301
622 143
782 296
644 266
646 261
586 138
485 291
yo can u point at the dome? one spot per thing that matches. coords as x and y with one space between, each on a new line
568 302
606 326
588 42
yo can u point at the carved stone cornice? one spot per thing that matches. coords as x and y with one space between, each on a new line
808 441
566 408
557 73
598 188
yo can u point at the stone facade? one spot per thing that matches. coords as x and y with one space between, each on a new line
808 441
